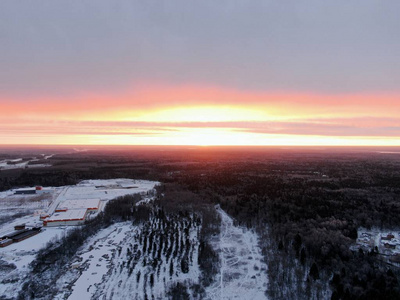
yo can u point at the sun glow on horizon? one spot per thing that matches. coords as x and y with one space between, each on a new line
204 137
231 137
240 118
205 114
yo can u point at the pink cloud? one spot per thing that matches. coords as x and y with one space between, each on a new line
158 97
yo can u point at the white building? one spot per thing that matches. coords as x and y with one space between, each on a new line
68 217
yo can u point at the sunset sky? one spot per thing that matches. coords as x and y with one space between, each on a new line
183 72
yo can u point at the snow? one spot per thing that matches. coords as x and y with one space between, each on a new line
6 193
124 283
21 204
82 191
23 253
98 260
106 189
19 163
368 239
243 273
99 189
71 214
84 203
5 166
116 264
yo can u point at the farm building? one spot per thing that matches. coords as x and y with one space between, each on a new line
19 227
5 242
68 217
71 212
25 234
31 191
18 235
25 192
11 235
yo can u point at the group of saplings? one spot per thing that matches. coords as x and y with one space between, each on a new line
168 241
164 247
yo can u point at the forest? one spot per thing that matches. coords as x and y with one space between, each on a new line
306 206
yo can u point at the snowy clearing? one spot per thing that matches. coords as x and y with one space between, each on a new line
20 163
243 273
94 260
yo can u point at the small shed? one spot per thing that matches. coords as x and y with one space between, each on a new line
25 192
19 227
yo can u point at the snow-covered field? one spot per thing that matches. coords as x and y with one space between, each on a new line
103 189
19 163
19 255
243 273
106 189
18 209
93 262
126 261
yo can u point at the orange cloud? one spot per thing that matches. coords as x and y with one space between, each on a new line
159 114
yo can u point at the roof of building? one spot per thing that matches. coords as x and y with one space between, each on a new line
128 185
25 191
15 233
80 203
5 241
69 215
25 234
